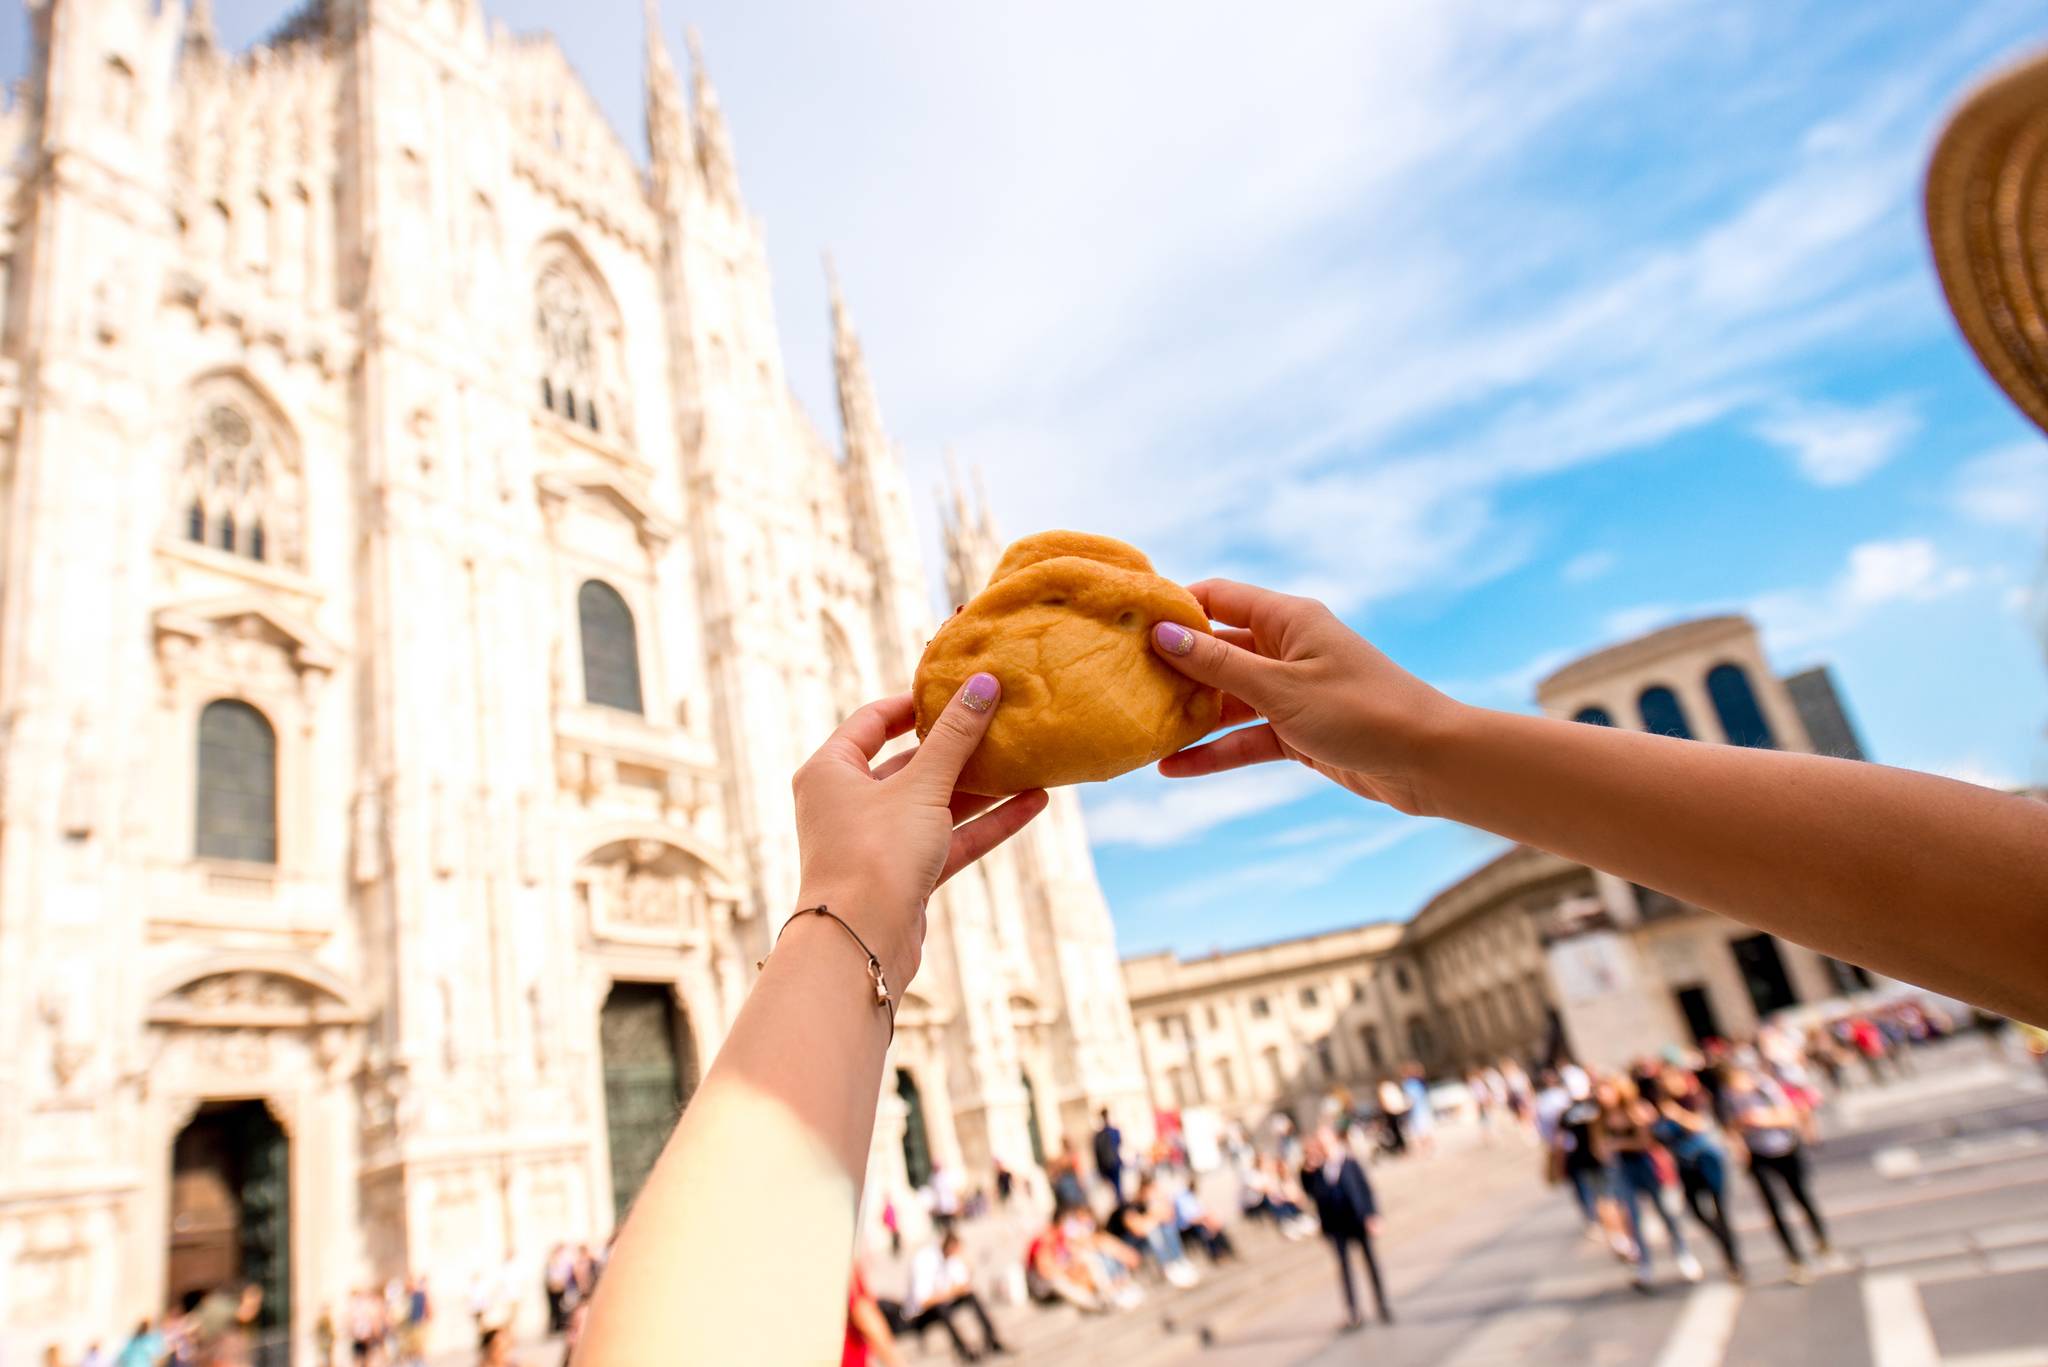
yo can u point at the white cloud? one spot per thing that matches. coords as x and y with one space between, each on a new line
2006 487
1878 574
1175 810
1832 445
1312 833
1623 623
1587 566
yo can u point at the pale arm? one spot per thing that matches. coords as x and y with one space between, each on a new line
1937 882
739 1246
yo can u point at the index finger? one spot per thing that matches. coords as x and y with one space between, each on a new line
1226 600
861 736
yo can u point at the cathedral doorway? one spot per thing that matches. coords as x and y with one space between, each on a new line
650 1069
917 1143
231 1208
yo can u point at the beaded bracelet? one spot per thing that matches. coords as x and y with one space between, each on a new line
882 997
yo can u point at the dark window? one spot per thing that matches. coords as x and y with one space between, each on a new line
1031 1121
1421 1044
1662 716
1593 716
1369 1036
1261 1007
1401 979
1325 1057
1742 721
237 787
1308 996
195 524
1211 1012
1763 973
256 541
611 654
547 393
917 1144
590 414
227 531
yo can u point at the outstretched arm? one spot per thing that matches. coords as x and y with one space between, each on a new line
1927 879
764 1169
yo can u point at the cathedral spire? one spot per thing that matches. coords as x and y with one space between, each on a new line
714 143
968 530
199 32
668 129
860 416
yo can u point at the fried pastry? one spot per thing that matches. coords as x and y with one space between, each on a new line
1065 624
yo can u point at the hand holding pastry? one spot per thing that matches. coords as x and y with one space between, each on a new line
1329 699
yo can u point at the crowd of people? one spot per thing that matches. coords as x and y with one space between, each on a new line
1671 1133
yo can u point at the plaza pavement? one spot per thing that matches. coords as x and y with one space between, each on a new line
1935 1188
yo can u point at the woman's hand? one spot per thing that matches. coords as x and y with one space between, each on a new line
1329 699
876 841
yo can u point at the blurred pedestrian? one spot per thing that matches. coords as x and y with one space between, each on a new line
1109 1156
1393 1100
1685 1127
1421 1111
1344 1204
1005 1180
868 1337
146 1347
1624 1142
893 1225
942 1289
1769 1128
1198 1225
1064 1173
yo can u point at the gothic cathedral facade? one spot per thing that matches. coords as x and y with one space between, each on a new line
419 584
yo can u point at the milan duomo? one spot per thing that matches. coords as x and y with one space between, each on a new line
420 583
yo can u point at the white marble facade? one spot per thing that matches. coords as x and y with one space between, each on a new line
332 374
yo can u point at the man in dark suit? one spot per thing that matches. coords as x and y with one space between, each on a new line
1336 1183
1109 1156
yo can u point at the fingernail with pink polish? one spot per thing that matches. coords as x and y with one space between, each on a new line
981 692
1173 638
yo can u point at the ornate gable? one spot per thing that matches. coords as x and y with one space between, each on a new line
248 630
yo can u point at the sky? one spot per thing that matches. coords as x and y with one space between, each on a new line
1509 327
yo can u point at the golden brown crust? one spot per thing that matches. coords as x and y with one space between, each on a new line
1065 624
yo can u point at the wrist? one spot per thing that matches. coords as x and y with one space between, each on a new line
1441 732
891 927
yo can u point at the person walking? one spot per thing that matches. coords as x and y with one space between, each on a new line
1624 1143
1769 1128
1394 1111
1109 1156
1345 1206
1685 1127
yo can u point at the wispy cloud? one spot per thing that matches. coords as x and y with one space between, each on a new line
1172 811
2006 487
1298 870
1835 445
1587 566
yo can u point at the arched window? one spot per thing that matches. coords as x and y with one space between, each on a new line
1662 716
1593 716
611 653
237 784
1742 720
580 376
238 483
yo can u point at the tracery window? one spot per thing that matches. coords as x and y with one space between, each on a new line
571 380
238 486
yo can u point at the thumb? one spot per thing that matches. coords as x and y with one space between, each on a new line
1216 662
946 747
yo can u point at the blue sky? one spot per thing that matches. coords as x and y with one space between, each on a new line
1510 328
